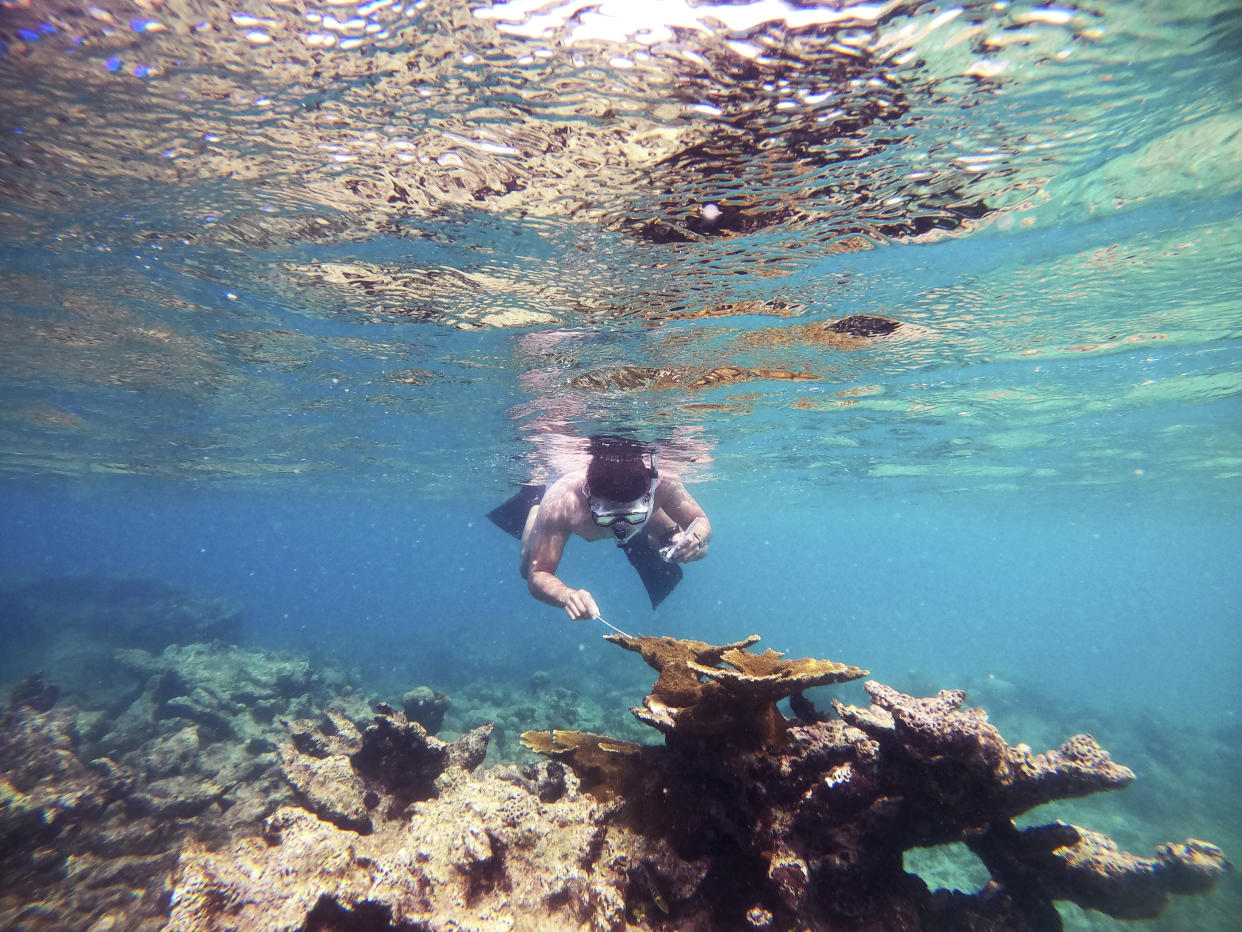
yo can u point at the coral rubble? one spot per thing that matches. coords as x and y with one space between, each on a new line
96 803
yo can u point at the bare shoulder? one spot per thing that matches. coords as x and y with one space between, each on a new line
562 505
676 501
670 487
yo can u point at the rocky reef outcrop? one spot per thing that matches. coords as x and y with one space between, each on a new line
64 625
805 820
742 819
495 850
96 803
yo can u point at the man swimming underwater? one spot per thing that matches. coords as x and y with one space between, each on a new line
621 496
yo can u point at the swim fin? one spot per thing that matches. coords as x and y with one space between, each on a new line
658 577
511 516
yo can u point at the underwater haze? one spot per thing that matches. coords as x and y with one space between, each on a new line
935 308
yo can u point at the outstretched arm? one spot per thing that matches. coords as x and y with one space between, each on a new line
541 555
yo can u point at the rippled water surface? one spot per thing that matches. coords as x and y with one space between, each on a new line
936 307
247 240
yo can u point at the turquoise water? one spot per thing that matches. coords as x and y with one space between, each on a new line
286 308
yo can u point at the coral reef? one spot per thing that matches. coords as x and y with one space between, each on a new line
498 850
228 789
97 803
742 819
805 821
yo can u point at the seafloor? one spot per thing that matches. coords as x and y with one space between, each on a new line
157 774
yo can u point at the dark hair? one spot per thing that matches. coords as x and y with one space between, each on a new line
620 469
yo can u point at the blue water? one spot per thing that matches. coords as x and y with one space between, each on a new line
1108 601
283 331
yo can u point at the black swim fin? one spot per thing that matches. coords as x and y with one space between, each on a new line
658 577
511 516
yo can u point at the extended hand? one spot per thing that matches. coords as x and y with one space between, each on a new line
686 546
688 549
580 606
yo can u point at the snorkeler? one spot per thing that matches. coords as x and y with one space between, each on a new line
621 495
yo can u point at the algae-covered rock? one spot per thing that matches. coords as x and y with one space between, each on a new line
227 693
355 777
328 786
50 800
179 797
96 804
425 706
482 855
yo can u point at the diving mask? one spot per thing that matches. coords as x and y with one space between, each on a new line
608 519
626 520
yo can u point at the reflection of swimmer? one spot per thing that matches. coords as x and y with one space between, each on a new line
620 495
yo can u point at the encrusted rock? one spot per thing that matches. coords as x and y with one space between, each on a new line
50 802
351 777
173 754
425 706
328 786
481 854
174 798
96 804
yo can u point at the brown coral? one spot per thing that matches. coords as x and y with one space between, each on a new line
805 821
694 697
605 766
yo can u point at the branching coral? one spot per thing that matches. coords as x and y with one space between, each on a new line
805 821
